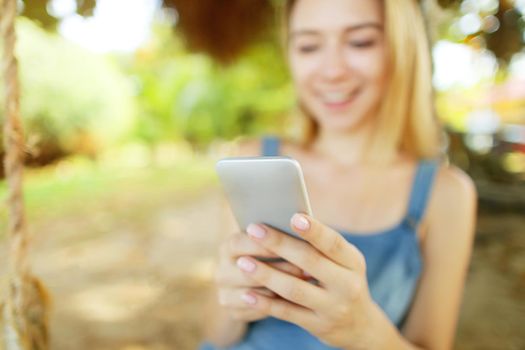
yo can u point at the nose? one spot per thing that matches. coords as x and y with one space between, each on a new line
333 66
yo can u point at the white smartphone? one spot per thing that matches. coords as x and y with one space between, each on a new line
266 190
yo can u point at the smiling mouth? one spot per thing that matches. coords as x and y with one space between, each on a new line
337 100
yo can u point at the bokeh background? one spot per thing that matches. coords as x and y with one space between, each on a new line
126 106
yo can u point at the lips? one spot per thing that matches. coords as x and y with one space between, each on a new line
336 100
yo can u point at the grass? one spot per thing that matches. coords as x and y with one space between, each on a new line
78 185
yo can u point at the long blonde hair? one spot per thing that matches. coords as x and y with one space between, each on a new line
406 119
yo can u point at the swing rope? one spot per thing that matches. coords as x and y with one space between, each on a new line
25 314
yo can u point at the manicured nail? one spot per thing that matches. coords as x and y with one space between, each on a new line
245 264
256 231
249 299
300 222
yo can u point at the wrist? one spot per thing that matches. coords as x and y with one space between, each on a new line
379 324
227 332
382 333
373 330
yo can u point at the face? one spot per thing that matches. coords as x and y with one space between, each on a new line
337 59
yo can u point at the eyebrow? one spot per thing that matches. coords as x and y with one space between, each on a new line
346 29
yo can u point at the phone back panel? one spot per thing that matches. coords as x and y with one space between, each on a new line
265 190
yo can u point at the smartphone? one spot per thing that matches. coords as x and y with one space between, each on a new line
267 190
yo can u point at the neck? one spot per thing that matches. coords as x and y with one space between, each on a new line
348 148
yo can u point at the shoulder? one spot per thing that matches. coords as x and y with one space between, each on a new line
446 250
452 206
453 189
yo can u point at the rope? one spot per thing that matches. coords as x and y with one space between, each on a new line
24 311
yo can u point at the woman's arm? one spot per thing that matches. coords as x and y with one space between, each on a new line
339 310
446 248
220 329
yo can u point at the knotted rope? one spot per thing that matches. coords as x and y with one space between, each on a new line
25 309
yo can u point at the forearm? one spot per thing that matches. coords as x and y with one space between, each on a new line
221 330
394 340
384 335
225 332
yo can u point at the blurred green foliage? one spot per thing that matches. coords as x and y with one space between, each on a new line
188 96
72 101
77 102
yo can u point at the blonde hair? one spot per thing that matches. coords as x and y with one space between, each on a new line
406 118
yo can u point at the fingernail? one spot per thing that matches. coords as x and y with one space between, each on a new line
245 264
249 299
300 222
256 231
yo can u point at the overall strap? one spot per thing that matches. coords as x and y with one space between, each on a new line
270 146
421 189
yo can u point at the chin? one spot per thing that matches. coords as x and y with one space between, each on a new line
342 119
341 123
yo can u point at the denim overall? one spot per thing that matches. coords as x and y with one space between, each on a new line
393 261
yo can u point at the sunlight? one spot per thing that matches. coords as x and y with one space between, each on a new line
115 302
113 27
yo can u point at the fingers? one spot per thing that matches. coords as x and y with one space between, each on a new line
300 253
289 268
237 292
238 302
240 244
328 241
265 291
235 297
229 275
288 287
284 310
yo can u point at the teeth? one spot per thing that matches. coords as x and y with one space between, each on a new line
336 97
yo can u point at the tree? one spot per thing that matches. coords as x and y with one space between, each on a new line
224 28
67 109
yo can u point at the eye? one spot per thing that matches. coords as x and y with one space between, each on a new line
362 44
307 48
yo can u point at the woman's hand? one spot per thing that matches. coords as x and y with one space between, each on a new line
339 310
233 285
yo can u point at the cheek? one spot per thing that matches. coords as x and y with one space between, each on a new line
370 65
303 72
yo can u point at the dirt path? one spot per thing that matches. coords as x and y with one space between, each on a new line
139 282
493 312
137 287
